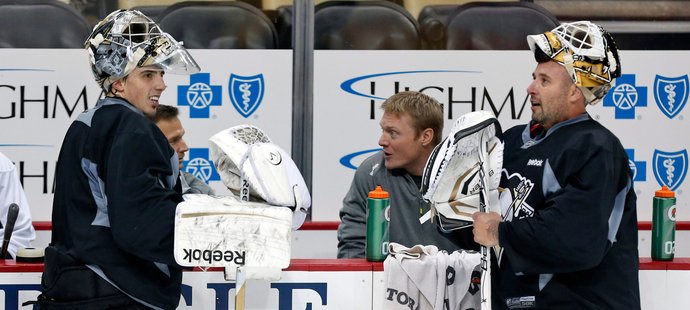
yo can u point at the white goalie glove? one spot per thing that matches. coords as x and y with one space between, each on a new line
464 171
257 170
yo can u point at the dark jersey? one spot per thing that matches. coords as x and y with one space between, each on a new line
569 236
114 203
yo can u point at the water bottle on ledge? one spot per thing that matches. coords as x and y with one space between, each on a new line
663 225
378 203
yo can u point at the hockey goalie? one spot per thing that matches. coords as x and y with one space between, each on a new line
251 228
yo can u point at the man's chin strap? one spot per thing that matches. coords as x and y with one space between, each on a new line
590 98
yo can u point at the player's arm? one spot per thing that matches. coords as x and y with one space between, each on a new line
141 208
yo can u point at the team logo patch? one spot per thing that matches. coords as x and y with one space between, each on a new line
274 158
246 93
671 94
670 168
514 199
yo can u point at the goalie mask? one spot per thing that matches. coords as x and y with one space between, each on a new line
255 169
586 50
127 39
463 172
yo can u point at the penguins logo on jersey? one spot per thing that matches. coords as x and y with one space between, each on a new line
514 196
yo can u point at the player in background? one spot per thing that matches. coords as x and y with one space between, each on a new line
568 228
11 191
411 127
167 119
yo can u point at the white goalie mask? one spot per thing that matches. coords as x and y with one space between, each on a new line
462 174
127 39
256 169
588 53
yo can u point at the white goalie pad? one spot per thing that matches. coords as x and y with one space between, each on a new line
464 171
227 232
244 153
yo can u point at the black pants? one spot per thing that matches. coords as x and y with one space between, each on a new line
122 302
68 284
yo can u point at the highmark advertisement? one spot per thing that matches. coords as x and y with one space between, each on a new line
646 109
39 97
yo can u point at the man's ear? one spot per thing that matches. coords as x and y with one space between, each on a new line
575 95
117 86
427 136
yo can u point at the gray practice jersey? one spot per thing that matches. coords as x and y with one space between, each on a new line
406 209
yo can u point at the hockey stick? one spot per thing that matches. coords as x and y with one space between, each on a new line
485 288
240 292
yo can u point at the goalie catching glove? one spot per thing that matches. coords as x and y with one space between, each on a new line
464 171
258 170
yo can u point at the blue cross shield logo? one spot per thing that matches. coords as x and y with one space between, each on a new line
246 93
670 168
200 165
671 94
199 95
626 96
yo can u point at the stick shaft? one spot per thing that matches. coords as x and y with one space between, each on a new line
240 293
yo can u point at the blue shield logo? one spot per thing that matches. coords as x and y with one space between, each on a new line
670 168
246 93
671 94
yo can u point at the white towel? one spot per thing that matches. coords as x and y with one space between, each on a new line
463 287
422 277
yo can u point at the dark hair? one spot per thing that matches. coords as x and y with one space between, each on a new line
165 112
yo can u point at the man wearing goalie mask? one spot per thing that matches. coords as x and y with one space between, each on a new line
567 235
411 127
114 204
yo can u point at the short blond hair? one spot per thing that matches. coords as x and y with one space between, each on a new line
425 112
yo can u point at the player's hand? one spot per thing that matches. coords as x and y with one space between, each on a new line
486 228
